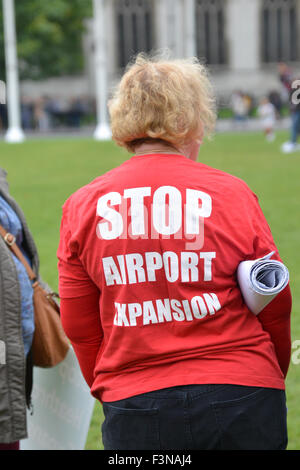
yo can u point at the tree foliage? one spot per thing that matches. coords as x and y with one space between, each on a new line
49 37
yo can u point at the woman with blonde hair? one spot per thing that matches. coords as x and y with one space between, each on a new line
148 256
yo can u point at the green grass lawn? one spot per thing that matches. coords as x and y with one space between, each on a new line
43 173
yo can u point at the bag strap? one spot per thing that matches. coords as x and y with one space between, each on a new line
10 240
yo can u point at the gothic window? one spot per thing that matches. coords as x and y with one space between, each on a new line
210 31
134 28
279 31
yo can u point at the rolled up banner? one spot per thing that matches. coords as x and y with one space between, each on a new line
260 281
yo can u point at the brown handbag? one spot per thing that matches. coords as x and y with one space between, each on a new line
50 344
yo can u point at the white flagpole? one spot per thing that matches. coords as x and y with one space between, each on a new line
102 131
190 28
14 133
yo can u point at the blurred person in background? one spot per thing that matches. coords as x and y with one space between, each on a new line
27 112
16 321
267 113
76 111
292 86
3 116
41 114
239 106
286 78
159 326
3 109
276 100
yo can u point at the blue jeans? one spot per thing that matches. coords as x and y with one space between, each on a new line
295 131
198 417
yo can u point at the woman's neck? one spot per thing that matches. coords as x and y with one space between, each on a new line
190 150
156 147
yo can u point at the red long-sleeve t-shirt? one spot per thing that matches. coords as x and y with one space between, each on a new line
148 255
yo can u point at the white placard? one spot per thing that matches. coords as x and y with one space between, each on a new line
2 92
62 408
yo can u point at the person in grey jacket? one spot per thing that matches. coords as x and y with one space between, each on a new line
16 323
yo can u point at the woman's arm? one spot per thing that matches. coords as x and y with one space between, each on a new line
80 320
80 316
80 311
276 316
275 319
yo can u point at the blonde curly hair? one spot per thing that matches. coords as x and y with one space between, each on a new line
159 98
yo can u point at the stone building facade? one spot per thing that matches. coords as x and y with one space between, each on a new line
241 41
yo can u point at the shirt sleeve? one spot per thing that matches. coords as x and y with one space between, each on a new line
81 322
73 280
275 319
276 316
79 306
